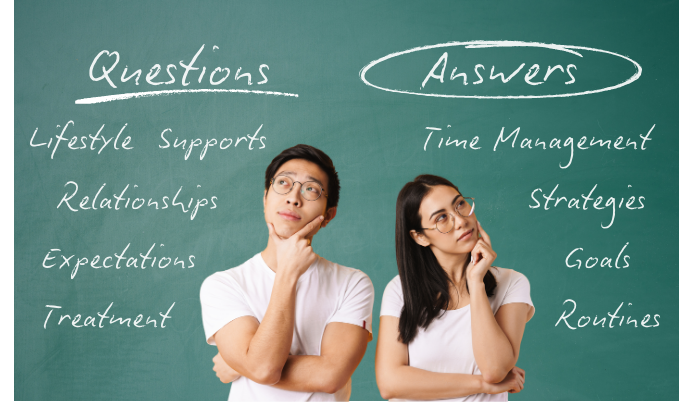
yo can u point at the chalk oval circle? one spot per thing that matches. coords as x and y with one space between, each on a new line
485 44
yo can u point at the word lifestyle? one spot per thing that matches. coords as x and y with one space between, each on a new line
90 321
574 202
136 203
54 258
223 143
583 321
88 142
452 138
591 262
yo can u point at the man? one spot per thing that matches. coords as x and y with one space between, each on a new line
290 325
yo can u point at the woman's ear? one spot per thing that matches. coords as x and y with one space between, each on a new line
419 238
328 216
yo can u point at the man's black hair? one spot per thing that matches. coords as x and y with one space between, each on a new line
310 154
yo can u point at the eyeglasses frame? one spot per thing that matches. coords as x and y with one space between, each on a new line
302 184
453 227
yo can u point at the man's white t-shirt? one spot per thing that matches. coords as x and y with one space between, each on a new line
326 292
446 345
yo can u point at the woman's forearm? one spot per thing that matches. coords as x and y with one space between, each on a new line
406 382
494 354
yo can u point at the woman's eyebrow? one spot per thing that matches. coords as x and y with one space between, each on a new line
436 212
443 210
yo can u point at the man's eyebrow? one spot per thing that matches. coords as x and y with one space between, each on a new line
443 210
308 178
284 174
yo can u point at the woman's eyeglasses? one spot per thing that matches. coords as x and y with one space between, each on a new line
445 222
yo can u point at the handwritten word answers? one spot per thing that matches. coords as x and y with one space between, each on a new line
570 144
573 202
224 143
583 321
135 203
90 321
81 142
54 258
468 87
591 262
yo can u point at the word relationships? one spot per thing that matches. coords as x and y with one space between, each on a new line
135 203
118 261
100 142
574 202
583 321
569 143
591 262
90 321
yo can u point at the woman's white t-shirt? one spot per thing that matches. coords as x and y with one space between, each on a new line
446 345
326 292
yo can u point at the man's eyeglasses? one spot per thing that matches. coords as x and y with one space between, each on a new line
310 190
445 222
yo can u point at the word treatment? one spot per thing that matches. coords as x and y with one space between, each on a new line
136 203
116 261
90 321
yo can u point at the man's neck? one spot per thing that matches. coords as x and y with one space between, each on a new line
269 255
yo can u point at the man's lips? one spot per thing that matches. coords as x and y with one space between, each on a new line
466 235
289 216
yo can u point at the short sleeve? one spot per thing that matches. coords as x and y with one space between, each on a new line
222 301
356 306
518 290
392 301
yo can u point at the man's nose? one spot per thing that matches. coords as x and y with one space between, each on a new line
294 196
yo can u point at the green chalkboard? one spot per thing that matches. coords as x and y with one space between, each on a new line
512 101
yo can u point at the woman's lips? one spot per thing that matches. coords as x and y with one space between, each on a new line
466 236
289 216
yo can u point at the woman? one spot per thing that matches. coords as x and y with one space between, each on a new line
451 324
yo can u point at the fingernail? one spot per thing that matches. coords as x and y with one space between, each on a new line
321 217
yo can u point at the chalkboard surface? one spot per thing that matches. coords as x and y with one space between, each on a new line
559 118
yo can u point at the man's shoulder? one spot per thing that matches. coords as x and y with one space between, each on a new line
235 275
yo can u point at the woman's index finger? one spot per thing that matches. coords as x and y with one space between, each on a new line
484 234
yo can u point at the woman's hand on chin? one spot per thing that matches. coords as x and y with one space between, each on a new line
481 257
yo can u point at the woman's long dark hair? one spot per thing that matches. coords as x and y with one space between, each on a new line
425 284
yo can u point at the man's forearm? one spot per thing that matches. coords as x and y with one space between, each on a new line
311 374
265 355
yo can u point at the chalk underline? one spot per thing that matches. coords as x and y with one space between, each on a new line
110 98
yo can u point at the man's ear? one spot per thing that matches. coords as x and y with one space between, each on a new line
328 216
419 238
264 198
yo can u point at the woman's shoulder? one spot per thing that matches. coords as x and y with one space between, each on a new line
506 274
394 285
